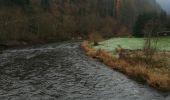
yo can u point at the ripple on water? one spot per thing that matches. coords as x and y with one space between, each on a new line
61 71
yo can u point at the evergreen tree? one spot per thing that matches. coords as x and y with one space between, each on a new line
140 23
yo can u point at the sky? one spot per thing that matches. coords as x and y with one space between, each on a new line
165 4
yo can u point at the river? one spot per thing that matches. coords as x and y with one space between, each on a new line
61 71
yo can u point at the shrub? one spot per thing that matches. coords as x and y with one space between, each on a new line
95 37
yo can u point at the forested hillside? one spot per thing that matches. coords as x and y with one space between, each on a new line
130 9
50 20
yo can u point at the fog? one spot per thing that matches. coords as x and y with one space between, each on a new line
165 4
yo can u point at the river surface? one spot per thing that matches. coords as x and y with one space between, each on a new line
61 71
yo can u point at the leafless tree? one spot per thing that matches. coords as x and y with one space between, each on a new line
151 39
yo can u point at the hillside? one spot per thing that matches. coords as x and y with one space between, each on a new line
130 9
51 20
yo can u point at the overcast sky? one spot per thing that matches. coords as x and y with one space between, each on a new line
165 4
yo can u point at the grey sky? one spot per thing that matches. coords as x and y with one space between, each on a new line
165 4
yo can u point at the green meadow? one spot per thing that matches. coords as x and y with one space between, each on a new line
163 43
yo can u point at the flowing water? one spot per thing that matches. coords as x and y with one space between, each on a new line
61 71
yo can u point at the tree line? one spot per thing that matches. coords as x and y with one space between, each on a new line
50 20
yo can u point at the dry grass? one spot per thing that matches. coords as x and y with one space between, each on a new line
158 78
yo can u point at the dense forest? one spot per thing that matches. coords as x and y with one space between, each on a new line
50 20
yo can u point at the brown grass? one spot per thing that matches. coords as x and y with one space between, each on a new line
158 78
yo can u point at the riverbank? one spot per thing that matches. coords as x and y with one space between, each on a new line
157 77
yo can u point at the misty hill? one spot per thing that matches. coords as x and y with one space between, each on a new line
165 5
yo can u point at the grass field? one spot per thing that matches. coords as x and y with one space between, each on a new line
155 73
132 43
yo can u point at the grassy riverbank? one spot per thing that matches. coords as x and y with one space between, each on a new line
155 74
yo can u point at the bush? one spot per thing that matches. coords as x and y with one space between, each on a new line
95 37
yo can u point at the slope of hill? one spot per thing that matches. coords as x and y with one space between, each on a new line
130 9
43 20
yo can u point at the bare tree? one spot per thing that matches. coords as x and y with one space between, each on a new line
150 36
